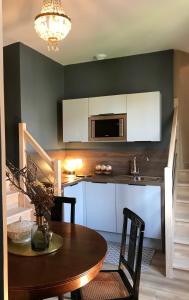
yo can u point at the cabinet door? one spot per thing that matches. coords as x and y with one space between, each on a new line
76 191
75 120
144 117
100 206
115 104
145 201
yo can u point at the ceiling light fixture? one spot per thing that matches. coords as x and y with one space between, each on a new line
52 25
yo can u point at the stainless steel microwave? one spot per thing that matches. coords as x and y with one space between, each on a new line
108 127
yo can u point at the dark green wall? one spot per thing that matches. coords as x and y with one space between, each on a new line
132 74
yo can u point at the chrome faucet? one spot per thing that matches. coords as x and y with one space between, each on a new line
134 169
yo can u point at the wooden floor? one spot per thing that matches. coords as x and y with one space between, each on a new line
155 286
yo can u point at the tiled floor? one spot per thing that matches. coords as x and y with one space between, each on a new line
113 254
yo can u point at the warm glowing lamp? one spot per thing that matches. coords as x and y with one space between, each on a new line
73 165
69 166
79 163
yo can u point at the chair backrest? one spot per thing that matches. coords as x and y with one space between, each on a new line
57 209
131 254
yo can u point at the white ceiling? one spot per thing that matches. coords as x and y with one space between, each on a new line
115 27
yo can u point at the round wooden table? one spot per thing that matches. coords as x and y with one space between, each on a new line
74 265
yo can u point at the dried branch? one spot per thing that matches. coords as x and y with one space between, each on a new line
41 197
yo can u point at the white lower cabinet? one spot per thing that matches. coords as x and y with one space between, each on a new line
101 206
76 191
145 201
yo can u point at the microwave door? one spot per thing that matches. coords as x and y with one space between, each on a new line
107 128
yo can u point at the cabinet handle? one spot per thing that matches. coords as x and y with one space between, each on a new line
141 184
73 184
110 114
73 142
99 182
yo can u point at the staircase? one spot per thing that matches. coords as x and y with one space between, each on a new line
14 210
17 203
181 226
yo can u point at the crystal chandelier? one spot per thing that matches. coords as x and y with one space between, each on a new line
52 25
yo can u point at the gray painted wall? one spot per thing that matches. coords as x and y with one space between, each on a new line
42 87
34 85
38 85
132 74
12 99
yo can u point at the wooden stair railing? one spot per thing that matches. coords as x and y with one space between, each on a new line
26 138
174 159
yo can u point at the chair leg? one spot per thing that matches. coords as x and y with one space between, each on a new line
61 297
75 295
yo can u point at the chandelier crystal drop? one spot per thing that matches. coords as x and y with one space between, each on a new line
52 24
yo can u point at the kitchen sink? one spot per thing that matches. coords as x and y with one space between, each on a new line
137 178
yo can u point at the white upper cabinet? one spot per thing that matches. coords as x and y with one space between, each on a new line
115 104
75 120
144 117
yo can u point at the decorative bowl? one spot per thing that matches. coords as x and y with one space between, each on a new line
20 231
103 169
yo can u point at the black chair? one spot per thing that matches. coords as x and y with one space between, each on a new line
122 283
57 209
57 212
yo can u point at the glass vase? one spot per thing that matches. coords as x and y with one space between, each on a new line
40 235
